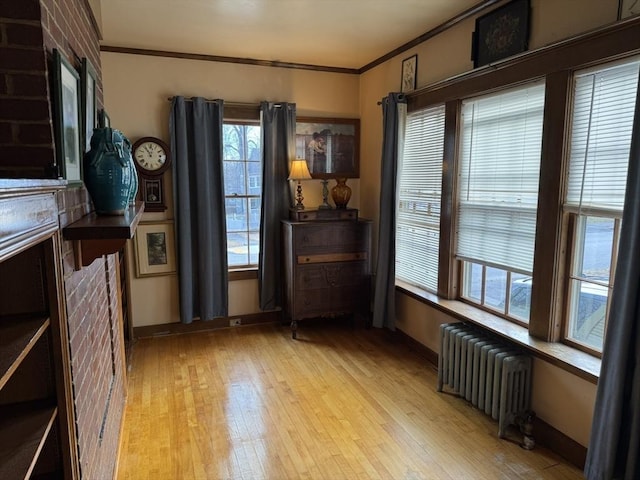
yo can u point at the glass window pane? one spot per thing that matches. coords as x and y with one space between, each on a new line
234 182
597 248
495 289
255 178
254 247
243 185
236 214
520 296
472 288
253 135
254 214
232 139
588 309
237 249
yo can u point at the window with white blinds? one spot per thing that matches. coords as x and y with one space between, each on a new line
419 193
499 166
603 108
600 145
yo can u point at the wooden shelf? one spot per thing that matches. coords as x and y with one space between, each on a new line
96 235
17 338
23 431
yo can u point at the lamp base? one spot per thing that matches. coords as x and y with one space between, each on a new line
325 195
299 197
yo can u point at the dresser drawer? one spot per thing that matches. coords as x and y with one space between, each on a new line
334 301
334 237
328 275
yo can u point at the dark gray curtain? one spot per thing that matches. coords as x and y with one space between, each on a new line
198 188
278 149
384 308
614 447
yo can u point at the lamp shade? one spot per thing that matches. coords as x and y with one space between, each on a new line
299 170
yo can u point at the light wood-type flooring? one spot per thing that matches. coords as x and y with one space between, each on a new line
338 403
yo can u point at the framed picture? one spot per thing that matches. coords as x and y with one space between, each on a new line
66 103
103 119
155 249
329 145
88 78
628 8
501 33
409 72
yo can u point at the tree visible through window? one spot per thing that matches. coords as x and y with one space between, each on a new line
242 188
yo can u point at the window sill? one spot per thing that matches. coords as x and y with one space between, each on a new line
563 356
243 274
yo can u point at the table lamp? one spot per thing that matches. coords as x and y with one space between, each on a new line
299 171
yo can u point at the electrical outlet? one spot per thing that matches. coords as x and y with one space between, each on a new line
234 322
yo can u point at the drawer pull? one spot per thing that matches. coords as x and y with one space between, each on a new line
331 257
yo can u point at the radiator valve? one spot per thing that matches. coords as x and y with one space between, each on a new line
525 423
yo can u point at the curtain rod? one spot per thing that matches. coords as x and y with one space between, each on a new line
230 104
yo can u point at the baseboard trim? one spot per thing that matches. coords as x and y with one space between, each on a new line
200 325
559 443
421 349
545 434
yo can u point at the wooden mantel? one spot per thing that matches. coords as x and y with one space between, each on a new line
96 235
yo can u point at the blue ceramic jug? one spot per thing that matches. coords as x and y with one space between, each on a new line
109 171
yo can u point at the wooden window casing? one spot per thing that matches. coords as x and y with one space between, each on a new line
556 64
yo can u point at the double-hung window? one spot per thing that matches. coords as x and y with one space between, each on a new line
419 192
242 188
600 142
498 176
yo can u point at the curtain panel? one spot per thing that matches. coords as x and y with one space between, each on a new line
394 112
278 149
199 207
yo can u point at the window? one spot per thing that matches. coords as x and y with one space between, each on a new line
600 142
419 192
499 164
242 187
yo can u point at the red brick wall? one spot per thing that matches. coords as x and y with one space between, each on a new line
26 137
92 303
29 30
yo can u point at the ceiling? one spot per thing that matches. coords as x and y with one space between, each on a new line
335 33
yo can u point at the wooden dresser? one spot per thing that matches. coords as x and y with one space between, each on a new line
327 268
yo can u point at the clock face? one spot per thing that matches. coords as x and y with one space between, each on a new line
151 156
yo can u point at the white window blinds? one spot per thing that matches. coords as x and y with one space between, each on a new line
419 192
499 169
603 108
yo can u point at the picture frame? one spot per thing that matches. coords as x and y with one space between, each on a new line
88 82
67 118
155 249
501 33
331 146
103 119
409 74
628 8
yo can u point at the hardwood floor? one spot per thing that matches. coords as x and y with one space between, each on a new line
251 403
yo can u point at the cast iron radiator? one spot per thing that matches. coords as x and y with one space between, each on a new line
491 374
